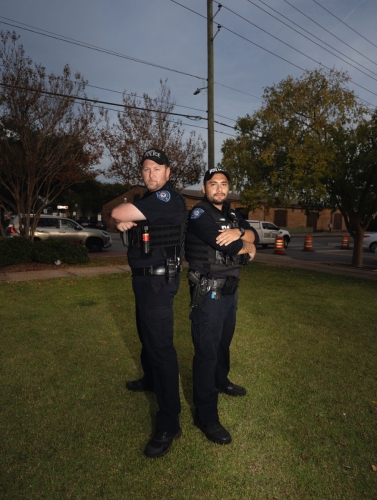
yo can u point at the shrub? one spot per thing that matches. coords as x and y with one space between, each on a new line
15 251
49 251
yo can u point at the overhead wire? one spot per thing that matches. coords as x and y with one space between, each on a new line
328 31
91 46
345 24
140 97
50 34
306 31
171 121
87 99
294 48
270 52
96 102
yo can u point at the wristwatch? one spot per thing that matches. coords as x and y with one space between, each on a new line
241 230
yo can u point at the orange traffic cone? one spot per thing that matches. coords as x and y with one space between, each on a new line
279 245
308 243
345 242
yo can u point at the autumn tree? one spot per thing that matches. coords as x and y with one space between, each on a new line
312 142
48 141
136 130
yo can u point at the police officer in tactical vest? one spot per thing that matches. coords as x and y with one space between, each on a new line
153 232
218 242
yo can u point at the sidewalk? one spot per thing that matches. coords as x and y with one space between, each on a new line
268 259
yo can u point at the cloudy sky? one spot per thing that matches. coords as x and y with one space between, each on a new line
258 45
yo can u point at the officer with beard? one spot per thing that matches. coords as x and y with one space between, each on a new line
218 242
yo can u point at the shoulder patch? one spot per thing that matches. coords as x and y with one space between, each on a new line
163 195
196 213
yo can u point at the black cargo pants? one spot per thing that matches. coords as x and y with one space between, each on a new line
154 319
212 329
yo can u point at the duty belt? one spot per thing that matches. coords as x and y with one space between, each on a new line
149 271
217 283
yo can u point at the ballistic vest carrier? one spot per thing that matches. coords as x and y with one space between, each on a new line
145 240
204 255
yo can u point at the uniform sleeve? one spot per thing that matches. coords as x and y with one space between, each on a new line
202 225
162 207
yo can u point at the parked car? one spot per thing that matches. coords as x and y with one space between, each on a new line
61 228
98 224
92 222
84 221
370 241
267 232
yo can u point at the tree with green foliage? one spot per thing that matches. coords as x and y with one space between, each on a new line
47 142
313 143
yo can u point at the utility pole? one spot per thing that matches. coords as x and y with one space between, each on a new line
210 92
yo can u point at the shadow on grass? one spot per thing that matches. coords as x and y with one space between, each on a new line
182 340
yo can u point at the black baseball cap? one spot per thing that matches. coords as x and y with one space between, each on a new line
217 170
156 155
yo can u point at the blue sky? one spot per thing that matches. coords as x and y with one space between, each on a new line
165 33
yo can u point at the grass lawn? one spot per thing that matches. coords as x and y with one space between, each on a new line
305 348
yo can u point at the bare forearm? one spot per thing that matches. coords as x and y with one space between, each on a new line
125 215
247 247
127 212
249 236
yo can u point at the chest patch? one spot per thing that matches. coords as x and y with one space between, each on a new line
196 213
163 195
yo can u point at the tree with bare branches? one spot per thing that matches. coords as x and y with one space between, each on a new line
47 140
139 129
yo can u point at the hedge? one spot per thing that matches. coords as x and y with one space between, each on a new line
15 251
19 250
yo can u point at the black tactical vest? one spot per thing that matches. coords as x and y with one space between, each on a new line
203 255
145 240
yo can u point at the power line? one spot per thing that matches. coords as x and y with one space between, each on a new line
197 13
345 24
290 46
170 121
123 105
96 102
293 64
87 99
226 86
204 17
62 38
276 55
140 97
306 31
315 22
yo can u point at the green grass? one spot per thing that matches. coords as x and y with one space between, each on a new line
305 347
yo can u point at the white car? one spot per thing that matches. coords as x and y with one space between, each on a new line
267 232
370 241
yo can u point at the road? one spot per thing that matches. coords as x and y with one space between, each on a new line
326 249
